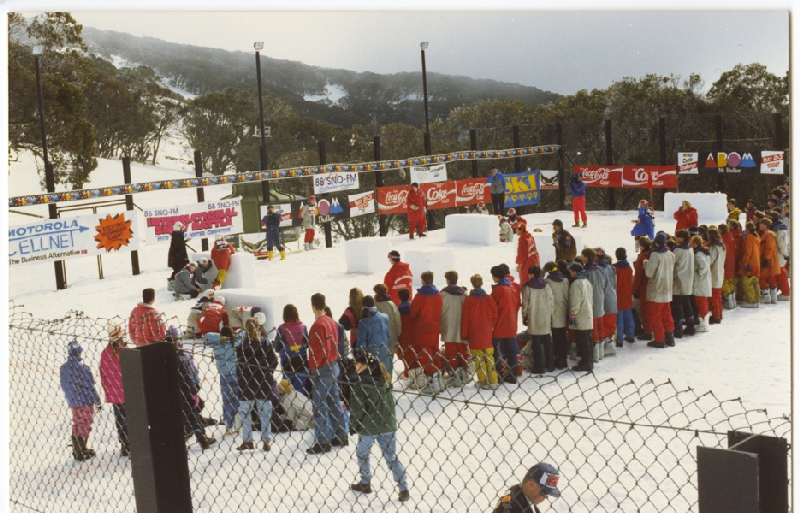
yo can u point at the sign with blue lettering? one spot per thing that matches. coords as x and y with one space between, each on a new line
331 182
71 237
522 189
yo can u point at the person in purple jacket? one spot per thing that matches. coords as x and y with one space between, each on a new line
77 383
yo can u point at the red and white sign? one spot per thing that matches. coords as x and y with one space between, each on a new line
361 204
470 191
772 162
629 177
392 199
662 177
600 176
688 163
440 195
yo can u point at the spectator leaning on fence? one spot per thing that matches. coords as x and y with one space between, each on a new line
111 380
77 383
539 483
146 324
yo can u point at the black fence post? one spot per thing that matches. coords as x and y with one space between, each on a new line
517 160
201 195
323 159
778 143
561 181
126 173
473 145
376 153
662 154
159 463
719 149
612 203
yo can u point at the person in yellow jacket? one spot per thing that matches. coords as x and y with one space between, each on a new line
733 211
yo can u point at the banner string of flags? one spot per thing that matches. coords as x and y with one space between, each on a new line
257 176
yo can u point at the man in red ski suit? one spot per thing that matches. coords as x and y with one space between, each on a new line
398 277
527 254
417 202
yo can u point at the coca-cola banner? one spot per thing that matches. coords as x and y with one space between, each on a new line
629 177
440 195
392 199
470 191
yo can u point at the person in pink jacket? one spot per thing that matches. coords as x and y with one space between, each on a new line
111 380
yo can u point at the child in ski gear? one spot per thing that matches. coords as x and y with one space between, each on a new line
701 285
751 256
581 316
559 286
214 316
639 290
426 313
221 255
716 263
255 364
192 331
750 288
770 268
77 383
682 287
111 380
398 277
506 232
610 304
733 212
291 344
374 333
456 350
504 337
660 272
309 212
563 242
625 326
597 277
782 235
478 318
731 279
538 308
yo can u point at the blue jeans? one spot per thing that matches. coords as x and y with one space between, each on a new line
624 324
388 444
229 388
506 349
327 404
264 407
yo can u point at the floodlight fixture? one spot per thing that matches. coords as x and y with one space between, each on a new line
424 45
258 45
37 50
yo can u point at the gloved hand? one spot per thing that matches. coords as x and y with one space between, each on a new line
519 267
572 324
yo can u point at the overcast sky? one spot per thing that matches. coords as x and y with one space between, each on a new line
556 51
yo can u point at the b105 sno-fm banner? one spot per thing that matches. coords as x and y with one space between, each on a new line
72 237
223 217
392 199
629 177
332 182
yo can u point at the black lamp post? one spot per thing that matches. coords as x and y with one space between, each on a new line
50 182
423 46
263 147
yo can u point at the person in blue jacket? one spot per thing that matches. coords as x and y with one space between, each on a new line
77 383
374 333
224 344
645 224
272 222
578 191
497 190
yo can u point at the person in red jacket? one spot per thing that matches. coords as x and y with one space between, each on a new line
213 317
426 315
527 254
398 277
686 216
729 284
639 288
504 337
478 318
417 203
146 324
221 255
624 297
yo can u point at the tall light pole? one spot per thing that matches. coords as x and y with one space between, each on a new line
263 148
50 182
423 46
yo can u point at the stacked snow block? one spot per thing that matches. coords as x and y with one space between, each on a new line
544 245
711 207
439 261
367 255
241 273
472 228
271 305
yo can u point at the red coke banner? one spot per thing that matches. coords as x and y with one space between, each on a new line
470 191
440 194
629 177
392 199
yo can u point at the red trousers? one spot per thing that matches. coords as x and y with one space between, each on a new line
418 225
783 280
579 208
82 419
597 329
309 235
768 282
702 305
609 325
660 319
424 353
716 303
457 354
646 328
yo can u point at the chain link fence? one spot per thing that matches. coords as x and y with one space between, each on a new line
619 446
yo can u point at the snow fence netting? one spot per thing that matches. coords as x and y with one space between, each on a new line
618 446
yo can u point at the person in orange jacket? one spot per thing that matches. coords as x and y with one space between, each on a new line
770 269
527 254
426 314
504 337
751 263
730 279
478 318
398 277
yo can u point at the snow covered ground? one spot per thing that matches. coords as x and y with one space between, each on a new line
460 453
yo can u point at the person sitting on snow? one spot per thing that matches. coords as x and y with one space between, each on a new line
185 285
506 232
205 274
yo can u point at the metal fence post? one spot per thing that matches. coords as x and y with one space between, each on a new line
561 180
323 159
612 203
201 197
126 171
376 153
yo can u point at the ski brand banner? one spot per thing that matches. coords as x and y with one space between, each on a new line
430 174
286 214
361 204
549 180
223 217
772 162
688 163
629 177
522 189
72 237
471 190
332 182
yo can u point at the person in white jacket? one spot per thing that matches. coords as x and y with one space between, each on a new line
558 281
538 307
659 269
682 290
701 285
717 251
385 305
456 350
506 233
298 407
580 316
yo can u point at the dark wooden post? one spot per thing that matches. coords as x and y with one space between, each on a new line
612 204
662 154
126 173
376 153
323 159
473 145
201 196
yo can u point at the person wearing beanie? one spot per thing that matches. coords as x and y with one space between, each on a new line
540 482
682 304
581 316
565 246
624 272
417 203
701 285
425 371
527 254
609 325
733 212
538 308
221 253
456 350
111 381
176 256
506 232
751 266
478 319
504 337
374 333
271 222
660 269
716 264
398 277
309 213
693 230
77 383
770 267
639 290
597 277
559 286
185 285
497 190
645 224
578 191
685 216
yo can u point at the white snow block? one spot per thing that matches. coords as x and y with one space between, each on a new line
472 228
242 272
271 305
367 255
711 207
438 261
544 245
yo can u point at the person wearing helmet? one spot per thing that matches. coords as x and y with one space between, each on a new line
214 316
539 483
645 224
309 211
480 208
